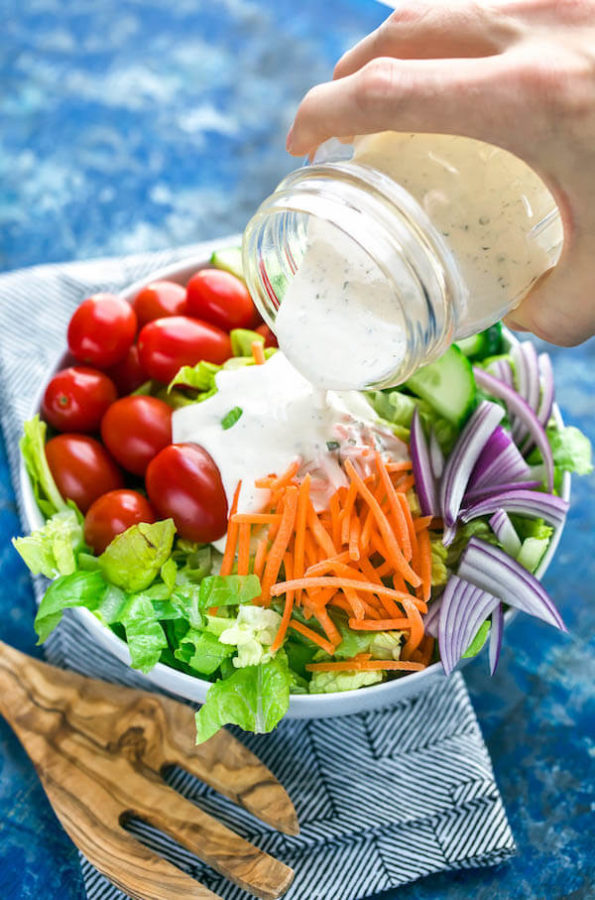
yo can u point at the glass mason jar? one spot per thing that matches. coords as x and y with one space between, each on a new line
368 263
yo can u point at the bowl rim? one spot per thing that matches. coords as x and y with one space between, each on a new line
388 691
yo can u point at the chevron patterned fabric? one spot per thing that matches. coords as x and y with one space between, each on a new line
383 797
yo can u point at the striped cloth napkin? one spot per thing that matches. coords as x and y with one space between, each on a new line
382 797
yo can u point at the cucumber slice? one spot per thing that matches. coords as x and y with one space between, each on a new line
485 343
448 385
230 260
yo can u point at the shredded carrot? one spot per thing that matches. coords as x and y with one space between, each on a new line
257 348
260 557
313 636
274 483
394 552
232 535
244 549
409 519
345 515
399 521
405 484
340 583
256 518
399 466
425 563
365 665
422 522
275 558
288 609
320 535
379 625
354 536
335 523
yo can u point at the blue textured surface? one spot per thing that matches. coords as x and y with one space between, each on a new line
137 125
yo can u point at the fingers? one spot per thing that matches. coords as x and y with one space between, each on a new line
561 307
470 97
433 31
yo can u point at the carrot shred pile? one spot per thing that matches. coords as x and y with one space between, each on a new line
365 554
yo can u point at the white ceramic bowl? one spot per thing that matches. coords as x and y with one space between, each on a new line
312 706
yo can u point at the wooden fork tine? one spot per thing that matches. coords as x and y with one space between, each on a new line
140 873
222 849
226 765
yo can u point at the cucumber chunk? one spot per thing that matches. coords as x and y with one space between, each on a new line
485 343
448 385
230 260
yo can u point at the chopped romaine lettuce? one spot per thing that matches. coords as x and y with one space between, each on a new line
478 641
144 634
328 682
242 340
134 558
228 590
78 589
440 572
532 552
202 651
52 550
47 496
256 698
571 449
252 632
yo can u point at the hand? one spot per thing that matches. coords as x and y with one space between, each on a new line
516 73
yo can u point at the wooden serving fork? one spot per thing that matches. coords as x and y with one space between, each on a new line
99 750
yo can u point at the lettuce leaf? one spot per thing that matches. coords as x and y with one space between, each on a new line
397 408
52 550
228 590
133 559
256 698
242 340
252 632
478 641
144 635
440 572
78 589
571 449
328 682
202 651
32 444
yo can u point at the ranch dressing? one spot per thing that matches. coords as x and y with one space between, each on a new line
283 419
349 316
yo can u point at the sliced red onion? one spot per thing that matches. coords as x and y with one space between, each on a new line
518 407
464 608
436 456
464 456
432 617
534 504
425 484
546 402
500 460
502 369
494 490
496 637
505 532
491 569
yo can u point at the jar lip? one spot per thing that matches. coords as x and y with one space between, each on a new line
388 224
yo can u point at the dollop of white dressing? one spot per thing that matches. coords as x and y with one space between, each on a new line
283 419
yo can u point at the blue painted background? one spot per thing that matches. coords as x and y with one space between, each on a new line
128 126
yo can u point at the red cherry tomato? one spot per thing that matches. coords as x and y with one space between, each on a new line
166 345
113 513
101 330
128 374
270 339
135 429
82 468
76 399
159 299
183 482
221 298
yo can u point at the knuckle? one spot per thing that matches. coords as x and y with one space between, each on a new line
376 84
562 83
